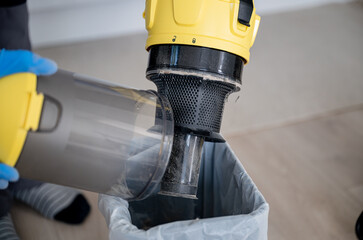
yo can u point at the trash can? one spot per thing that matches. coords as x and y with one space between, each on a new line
229 206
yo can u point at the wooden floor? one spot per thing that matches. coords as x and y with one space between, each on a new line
311 173
32 226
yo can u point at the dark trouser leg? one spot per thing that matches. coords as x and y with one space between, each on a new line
23 184
5 202
14 32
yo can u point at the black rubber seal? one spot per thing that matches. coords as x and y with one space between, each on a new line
197 99
196 58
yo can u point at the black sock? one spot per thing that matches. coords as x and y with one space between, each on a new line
76 212
55 202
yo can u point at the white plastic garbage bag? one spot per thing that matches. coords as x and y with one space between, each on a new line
229 206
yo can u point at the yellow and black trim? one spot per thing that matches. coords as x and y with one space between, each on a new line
226 25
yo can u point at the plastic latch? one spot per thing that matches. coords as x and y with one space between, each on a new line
20 110
245 12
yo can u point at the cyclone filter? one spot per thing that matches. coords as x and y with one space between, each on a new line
196 81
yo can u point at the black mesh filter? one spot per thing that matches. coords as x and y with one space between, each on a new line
197 104
181 72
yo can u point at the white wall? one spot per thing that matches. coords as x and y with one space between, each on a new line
274 6
54 22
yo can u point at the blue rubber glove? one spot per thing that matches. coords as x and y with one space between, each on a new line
7 174
16 61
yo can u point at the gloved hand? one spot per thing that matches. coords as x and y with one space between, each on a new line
16 61
117 215
7 174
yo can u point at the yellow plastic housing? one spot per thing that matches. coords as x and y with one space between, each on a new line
20 110
205 23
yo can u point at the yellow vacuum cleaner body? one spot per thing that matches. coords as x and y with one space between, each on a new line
226 25
77 131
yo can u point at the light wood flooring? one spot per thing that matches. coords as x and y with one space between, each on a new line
311 174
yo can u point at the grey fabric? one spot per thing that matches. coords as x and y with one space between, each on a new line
48 199
14 29
229 206
6 196
7 230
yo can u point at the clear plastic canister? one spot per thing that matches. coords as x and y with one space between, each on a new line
99 136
